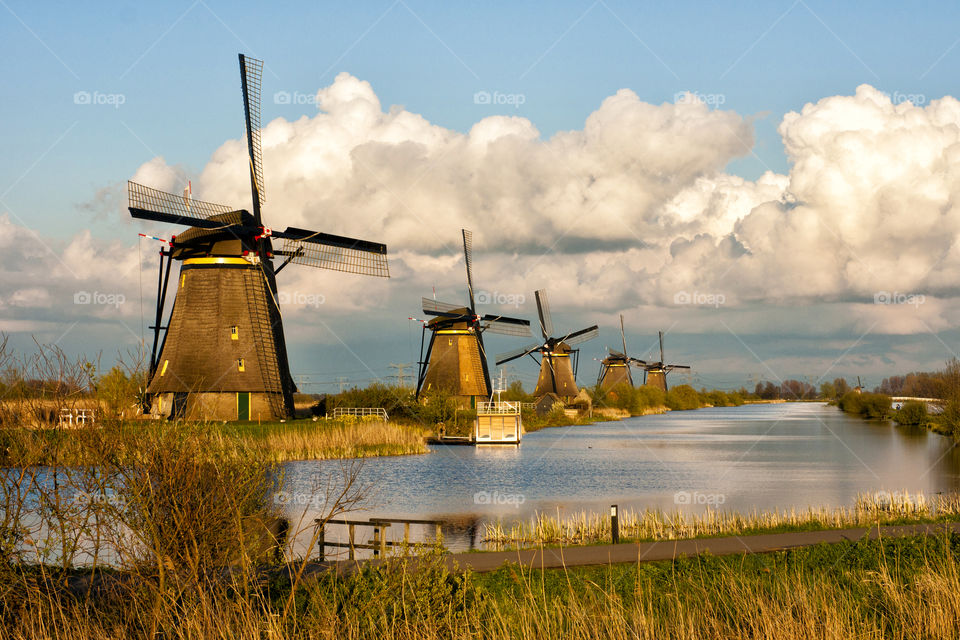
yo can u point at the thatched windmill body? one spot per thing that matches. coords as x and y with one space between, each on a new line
615 368
558 358
655 373
223 354
455 361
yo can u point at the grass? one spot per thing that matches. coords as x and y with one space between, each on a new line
324 439
891 588
647 525
274 442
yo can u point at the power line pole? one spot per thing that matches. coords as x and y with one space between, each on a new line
341 381
401 375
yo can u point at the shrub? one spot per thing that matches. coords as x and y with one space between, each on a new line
683 397
912 412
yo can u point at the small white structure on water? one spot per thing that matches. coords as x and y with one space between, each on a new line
498 423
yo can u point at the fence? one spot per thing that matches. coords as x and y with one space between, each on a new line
362 412
498 407
76 417
379 542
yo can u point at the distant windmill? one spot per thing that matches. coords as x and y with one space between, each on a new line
655 373
615 368
557 373
455 360
223 355
859 387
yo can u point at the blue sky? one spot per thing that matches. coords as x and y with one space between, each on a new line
174 67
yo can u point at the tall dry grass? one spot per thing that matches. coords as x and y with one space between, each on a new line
651 524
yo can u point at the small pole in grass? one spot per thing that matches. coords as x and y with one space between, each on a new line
614 524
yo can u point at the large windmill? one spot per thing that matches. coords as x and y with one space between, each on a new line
223 354
455 360
615 368
558 358
655 373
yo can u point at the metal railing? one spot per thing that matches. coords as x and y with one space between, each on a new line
361 412
76 417
498 407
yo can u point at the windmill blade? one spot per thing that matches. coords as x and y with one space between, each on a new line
543 310
336 257
505 357
583 335
434 306
661 346
616 354
637 362
623 336
506 326
468 258
671 367
151 204
453 315
330 240
251 74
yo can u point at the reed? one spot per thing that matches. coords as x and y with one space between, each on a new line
649 524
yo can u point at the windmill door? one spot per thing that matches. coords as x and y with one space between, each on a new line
243 406
179 410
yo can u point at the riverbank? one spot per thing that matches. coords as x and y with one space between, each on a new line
896 587
272 442
879 508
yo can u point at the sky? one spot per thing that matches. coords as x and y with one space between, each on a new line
774 185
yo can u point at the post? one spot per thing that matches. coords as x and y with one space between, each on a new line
352 531
406 533
439 535
383 540
614 524
376 541
321 542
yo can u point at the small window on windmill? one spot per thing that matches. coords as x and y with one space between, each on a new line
450 342
234 332
240 364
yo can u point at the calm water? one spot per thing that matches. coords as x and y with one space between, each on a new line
741 458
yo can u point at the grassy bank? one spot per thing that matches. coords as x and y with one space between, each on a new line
273 442
891 588
647 525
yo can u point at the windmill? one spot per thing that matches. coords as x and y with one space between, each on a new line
223 354
655 373
615 368
455 360
558 358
